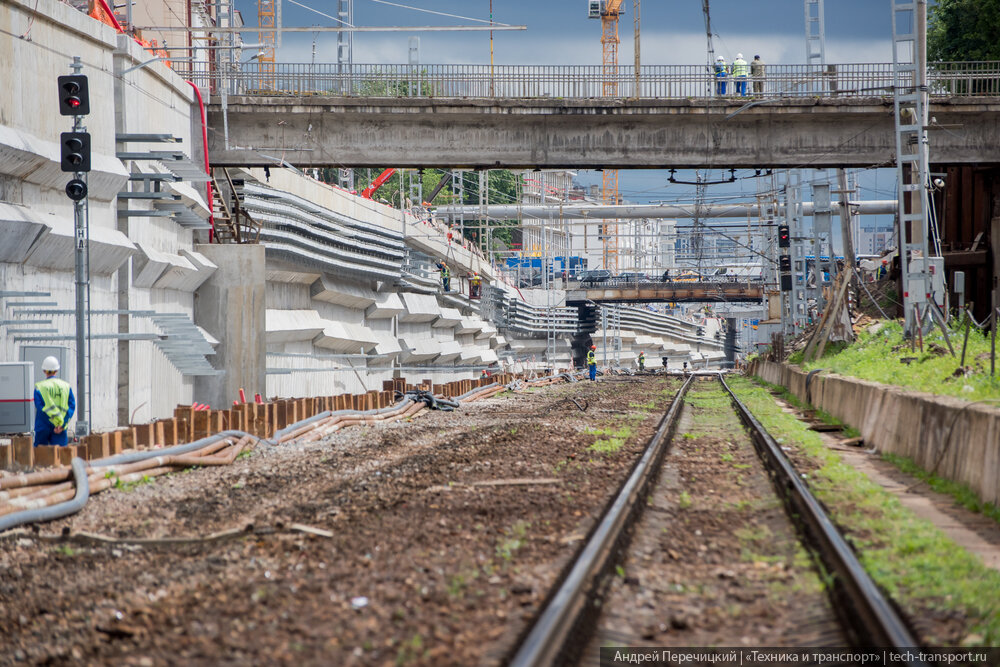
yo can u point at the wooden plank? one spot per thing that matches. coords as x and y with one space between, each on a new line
7 456
24 453
46 456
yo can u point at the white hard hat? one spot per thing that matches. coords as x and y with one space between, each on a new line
50 364
720 58
739 55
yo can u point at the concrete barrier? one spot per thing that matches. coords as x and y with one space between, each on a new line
958 440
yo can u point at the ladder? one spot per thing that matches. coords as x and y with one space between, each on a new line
232 224
909 78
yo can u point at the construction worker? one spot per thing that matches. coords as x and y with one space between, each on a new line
642 361
475 285
445 276
740 72
54 406
721 71
592 363
757 73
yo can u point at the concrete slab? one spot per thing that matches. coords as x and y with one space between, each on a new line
285 326
448 319
386 305
419 308
331 290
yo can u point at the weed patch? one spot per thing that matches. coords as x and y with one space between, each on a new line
908 557
877 356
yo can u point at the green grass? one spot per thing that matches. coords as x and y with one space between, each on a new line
795 401
907 556
513 539
614 441
964 495
876 356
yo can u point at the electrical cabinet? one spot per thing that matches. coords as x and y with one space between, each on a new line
17 390
35 354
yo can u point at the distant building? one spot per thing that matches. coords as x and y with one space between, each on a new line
874 239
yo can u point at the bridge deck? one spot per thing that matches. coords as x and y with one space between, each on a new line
666 292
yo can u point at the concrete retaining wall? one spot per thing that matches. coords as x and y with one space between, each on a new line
959 440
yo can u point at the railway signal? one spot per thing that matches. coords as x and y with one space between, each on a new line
74 95
784 240
75 151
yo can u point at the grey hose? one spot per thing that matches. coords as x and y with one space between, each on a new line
134 457
474 391
56 511
809 378
336 413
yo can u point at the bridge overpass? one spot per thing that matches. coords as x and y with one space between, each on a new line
717 292
553 117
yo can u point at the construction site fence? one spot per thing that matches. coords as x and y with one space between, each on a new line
190 424
980 78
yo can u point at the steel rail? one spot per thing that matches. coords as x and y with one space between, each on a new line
862 608
566 612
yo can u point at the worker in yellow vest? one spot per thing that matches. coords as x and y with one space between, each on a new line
642 361
54 406
445 276
721 72
741 70
592 363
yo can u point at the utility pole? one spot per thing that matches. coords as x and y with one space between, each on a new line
638 61
74 100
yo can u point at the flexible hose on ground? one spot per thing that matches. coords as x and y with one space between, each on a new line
53 503
79 467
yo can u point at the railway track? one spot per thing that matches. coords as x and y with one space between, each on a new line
571 626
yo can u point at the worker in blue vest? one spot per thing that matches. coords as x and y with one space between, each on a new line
54 406
721 72
592 363
741 70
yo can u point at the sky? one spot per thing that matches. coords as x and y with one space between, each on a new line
559 32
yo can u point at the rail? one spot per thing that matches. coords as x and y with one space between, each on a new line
980 78
870 616
572 607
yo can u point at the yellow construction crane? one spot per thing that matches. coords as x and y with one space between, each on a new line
266 37
609 11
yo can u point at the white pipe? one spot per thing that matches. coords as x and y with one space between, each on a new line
666 211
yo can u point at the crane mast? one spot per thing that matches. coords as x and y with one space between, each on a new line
267 36
609 12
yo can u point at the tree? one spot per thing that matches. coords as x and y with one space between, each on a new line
962 30
502 187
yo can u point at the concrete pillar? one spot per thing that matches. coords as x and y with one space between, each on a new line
231 306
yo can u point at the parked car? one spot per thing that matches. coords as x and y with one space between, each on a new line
633 277
595 276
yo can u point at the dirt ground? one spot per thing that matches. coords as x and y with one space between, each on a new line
714 560
446 533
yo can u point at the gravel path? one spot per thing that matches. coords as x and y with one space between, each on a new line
446 533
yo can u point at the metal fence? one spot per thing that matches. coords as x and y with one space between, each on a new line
587 81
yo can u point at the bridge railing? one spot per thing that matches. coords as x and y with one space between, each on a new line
587 81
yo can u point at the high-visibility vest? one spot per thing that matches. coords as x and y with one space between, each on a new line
740 67
55 397
591 358
445 273
720 68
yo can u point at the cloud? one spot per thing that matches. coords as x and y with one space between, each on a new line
658 48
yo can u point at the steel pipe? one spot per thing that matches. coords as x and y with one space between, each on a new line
628 211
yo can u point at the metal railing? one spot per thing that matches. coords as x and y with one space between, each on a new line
586 81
